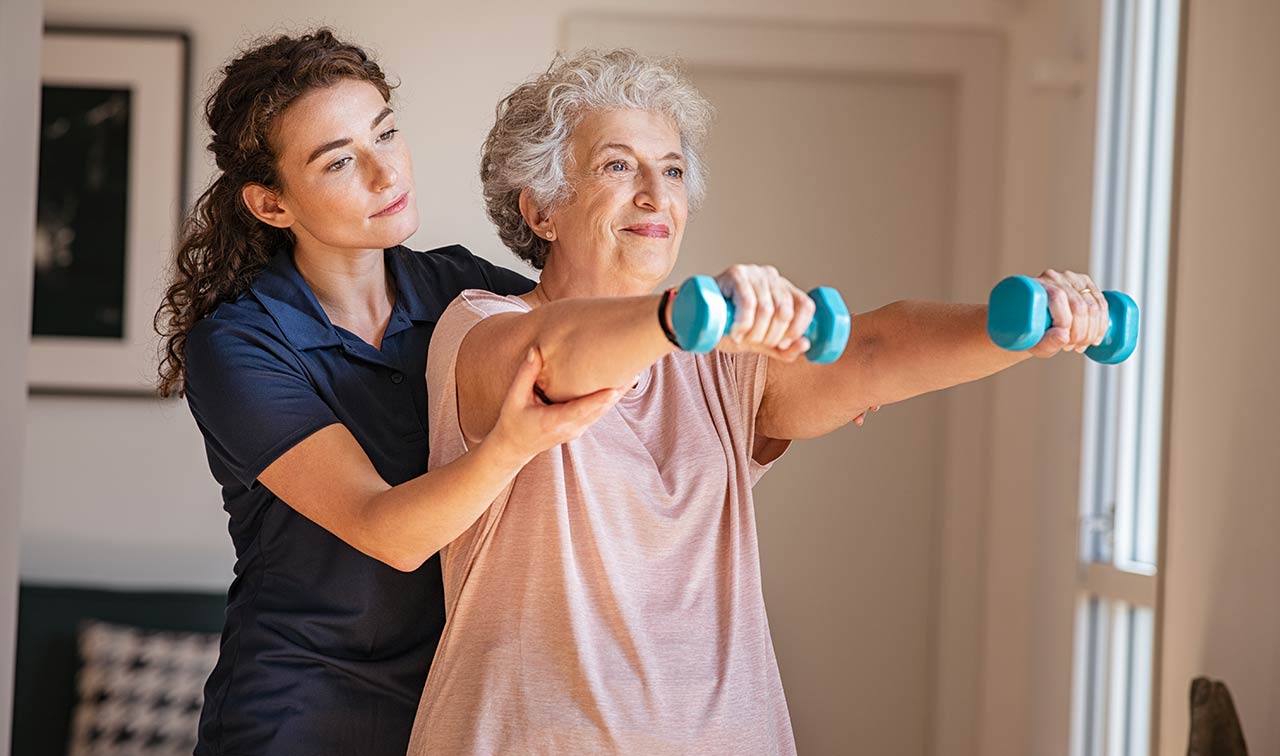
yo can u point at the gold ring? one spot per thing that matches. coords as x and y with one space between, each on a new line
1085 291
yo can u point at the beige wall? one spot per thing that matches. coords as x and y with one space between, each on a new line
1222 582
1028 586
20 92
144 491
142 509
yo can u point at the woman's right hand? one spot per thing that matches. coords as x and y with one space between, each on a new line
527 426
771 314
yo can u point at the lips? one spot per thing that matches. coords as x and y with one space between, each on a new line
401 203
651 230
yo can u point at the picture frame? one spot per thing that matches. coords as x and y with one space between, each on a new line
114 126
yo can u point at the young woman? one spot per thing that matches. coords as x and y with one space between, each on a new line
297 326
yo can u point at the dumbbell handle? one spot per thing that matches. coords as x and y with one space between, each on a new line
1018 316
701 316
810 333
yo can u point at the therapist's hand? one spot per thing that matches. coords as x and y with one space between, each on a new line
527 426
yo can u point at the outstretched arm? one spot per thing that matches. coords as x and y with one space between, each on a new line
906 349
591 344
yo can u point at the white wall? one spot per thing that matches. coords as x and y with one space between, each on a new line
117 490
1222 580
20 93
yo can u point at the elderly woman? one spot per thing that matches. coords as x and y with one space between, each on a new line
609 601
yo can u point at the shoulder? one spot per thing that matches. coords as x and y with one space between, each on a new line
240 322
236 335
474 305
446 271
453 259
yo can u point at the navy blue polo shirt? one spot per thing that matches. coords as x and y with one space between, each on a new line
325 650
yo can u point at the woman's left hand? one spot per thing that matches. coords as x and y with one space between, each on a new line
1078 312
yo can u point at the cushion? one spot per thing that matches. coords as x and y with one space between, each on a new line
139 691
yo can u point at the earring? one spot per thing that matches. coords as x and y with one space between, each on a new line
551 234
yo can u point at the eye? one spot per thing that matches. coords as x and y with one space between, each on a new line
617 166
338 165
386 135
674 172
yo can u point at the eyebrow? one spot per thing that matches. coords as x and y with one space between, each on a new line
627 148
335 144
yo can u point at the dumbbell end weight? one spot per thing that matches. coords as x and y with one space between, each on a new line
1122 334
828 332
700 314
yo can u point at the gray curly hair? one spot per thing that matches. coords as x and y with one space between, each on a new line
528 146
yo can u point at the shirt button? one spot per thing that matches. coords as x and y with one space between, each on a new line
396 378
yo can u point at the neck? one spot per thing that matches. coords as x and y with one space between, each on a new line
350 284
559 282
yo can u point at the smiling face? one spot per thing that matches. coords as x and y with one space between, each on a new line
625 216
346 174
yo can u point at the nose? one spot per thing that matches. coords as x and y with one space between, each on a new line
652 193
384 174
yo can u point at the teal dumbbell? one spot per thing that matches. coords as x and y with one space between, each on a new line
701 316
1018 316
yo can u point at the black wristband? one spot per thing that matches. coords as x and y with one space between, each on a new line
662 317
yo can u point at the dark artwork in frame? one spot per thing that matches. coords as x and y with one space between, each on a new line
114 122
80 213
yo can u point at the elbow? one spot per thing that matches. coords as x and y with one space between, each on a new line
405 561
401 556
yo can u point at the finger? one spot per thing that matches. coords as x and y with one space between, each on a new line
1084 289
1059 310
763 311
573 417
1080 320
804 309
784 312
791 353
1104 317
1054 341
1098 309
520 391
1070 313
1101 314
744 302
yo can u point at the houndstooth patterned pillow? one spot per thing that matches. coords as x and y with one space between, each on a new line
139 691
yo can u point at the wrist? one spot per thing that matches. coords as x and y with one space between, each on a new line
499 451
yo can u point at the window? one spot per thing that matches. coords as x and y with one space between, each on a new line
1120 469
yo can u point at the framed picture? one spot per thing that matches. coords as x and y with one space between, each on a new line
113 133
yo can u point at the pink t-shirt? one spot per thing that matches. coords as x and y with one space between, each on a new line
610 600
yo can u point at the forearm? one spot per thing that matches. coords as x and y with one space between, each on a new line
592 344
912 348
898 351
404 525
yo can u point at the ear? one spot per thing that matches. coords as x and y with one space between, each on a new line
265 205
542 225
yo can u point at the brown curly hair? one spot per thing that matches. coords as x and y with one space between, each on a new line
222 245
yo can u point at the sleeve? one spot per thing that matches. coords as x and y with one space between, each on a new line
500 280
750 372
446 439
250 396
